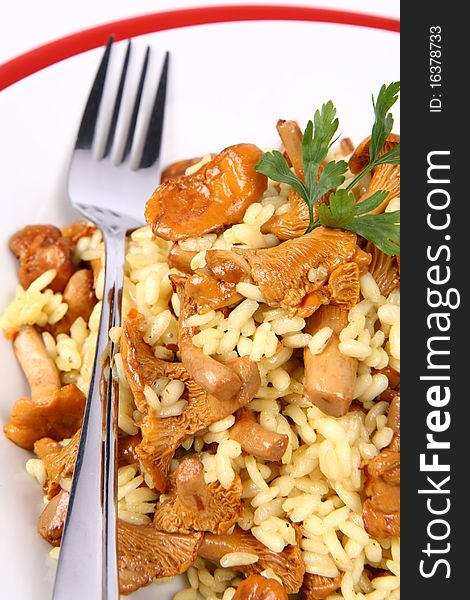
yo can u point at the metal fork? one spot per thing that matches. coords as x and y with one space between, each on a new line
113 197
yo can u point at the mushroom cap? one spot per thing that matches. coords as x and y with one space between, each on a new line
257 587
291 224
58 460
178 168
385 177
57 255
145 554
211 293
197 506
32 237
360 157
281 272
181 259
78 229
318 587
344 285
140 364
216 196
383 268
381 511
60 418
79 295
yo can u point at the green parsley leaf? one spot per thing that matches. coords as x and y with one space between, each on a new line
316 142
365 206
383 230
342 212
383 124
339 212
381 129
392 157
274 165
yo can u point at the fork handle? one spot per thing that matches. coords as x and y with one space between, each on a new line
88 557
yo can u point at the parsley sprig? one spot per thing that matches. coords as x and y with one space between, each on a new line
383 229
316 142
342 211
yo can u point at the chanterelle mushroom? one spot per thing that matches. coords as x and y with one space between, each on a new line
384 177
383 268
291 224
329 376
257 587
58 460
394 422
144 554
52 519
77 230
198 506
180 259
283 273
162 436
79 295
214 286
291 136
318 587
40 248
287 565
255 439
178 168
381 511
235 381
52 411
216 196
32 237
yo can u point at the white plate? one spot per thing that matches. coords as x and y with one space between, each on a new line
229 83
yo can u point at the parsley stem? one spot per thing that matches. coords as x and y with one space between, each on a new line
359 176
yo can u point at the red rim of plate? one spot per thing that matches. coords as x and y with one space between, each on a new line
53 52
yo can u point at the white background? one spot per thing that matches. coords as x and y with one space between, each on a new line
25 24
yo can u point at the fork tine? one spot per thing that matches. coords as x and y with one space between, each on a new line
153 138
135 110
90 114
117 103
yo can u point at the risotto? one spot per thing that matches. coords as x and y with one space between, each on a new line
258 399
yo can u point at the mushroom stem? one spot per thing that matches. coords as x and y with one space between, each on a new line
39 368
181 259
191 488
227 382
329 376
288 564
255 439
291 137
